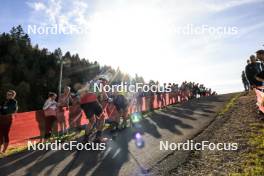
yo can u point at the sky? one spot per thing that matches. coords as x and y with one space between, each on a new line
157 39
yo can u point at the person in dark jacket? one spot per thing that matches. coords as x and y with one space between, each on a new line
245 81
253 69
7 108
260 55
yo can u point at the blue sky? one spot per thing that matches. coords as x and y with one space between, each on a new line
140 36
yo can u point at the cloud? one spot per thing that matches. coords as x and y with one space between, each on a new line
60 12
37 6
77 13
224 5
249 29
138 37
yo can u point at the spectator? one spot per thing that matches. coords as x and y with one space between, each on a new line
248 62
170 94
7 108
260 55
252 70
210 92
75 113
50 113
245 81
159 99
150 97
139 100
63 102
175 92
163 96
196 90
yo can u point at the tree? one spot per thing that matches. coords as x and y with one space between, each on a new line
33 72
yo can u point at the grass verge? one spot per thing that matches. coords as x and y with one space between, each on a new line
254 159
229 104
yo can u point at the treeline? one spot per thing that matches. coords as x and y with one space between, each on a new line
33 72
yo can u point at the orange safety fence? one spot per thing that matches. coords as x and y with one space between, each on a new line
31 125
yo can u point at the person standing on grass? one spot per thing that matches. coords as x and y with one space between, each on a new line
245 81
50 113
7 109
260 76
252 70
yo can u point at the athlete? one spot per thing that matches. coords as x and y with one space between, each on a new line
121 104
92 109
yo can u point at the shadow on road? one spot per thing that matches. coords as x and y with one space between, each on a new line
110 161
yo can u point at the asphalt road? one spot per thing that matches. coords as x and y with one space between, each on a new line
122 156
